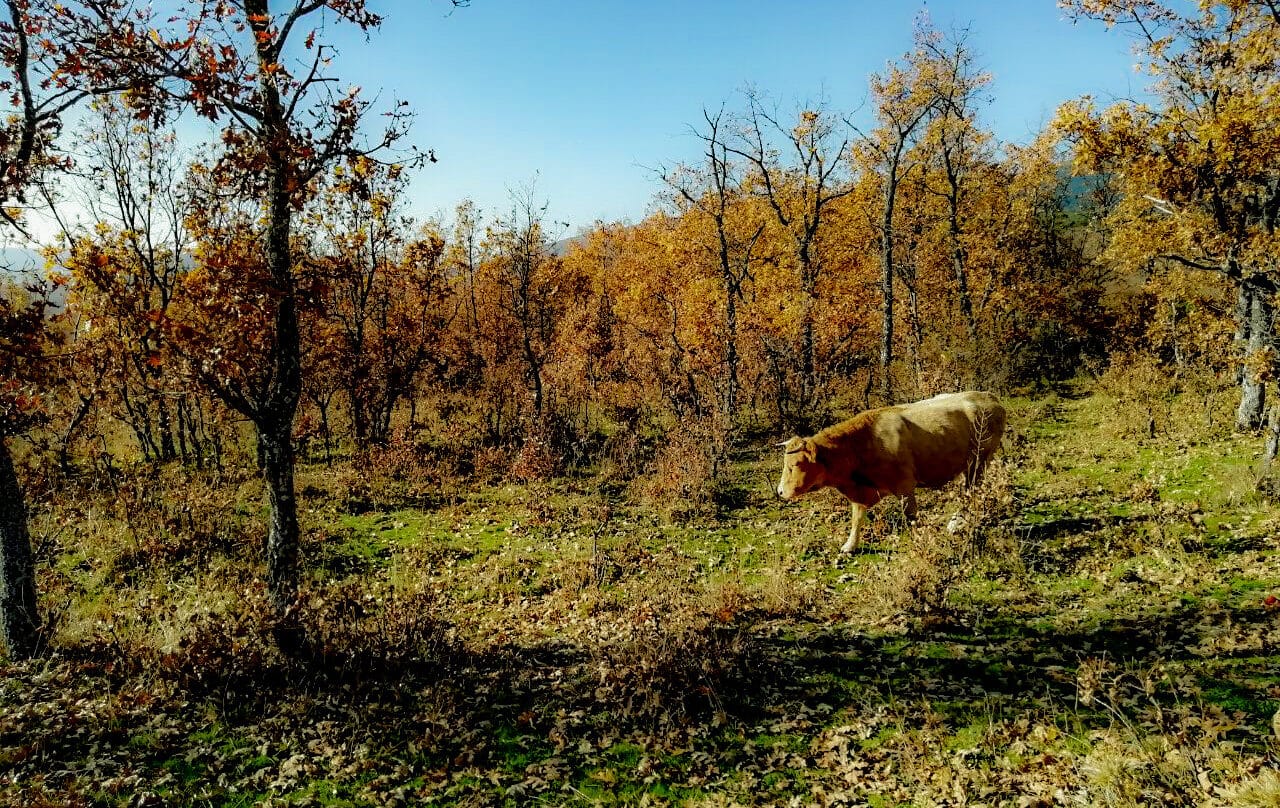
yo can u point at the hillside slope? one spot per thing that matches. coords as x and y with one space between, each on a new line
1103 632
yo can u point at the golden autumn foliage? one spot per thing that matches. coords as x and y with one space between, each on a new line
333 502
1195 169
799 267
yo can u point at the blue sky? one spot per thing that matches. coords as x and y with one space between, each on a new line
584 98
588 96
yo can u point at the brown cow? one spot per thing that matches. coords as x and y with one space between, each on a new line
892 450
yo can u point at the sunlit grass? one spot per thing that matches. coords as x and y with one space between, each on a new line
1100 624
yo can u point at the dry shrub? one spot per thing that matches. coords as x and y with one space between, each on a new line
676 653
1205 405
229 650
1144 393
400 473
553 444
539 457
1155 399
628 452
1259 791
353 632
943 551
161 517
489 464
687 477
353 490
349 633
983 508
1189 761
918 581
401 459
785 594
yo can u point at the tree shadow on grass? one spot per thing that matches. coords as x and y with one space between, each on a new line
1013 661
509 707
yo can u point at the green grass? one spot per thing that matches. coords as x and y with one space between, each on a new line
1142 562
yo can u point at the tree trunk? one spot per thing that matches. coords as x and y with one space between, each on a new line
1268 479
275 419
19 619
886 280
886 330
64 445
535 374
1256 327
359 420
731 353
165 428
808 365
962 288
276 445
959 267
917 339
1243 302
326 430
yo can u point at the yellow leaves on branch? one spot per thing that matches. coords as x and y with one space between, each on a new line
1194 165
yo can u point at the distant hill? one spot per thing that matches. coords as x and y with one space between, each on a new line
24 266
1079 188
21 262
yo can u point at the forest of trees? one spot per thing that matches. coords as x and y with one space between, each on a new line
265 300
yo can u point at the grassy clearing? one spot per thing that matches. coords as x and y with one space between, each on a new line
1103 632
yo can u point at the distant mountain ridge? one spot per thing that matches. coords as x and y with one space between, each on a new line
22 262
23 266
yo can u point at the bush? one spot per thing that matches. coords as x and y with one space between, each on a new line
403 472
355 633
687 474
1144 393
677 654
920 580
554 444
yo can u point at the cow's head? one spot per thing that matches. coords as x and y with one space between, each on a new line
802 470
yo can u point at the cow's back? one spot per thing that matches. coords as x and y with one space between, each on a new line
947 434
929 443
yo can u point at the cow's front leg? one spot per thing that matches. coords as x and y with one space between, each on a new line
859 510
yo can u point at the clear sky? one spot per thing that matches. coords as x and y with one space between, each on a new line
584 98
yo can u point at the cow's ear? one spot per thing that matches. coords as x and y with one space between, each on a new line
812 452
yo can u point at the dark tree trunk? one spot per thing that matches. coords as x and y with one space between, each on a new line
164 426
886 275
326 430
276 445
19 619
808 365
961 273
359 421
886 291
959 268
275 417
917 337
1243 302
731 355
